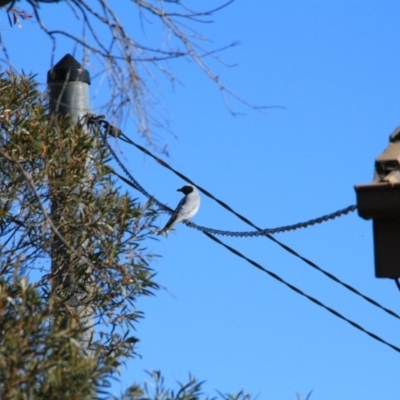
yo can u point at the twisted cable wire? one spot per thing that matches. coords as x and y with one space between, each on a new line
109 129
264 232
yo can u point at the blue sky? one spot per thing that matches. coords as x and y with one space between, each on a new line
333 67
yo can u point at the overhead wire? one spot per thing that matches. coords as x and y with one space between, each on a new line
259 232
137 186
271 231
287 284
119 134
290 250
115 132
298 291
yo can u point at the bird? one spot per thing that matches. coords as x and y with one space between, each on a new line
186 208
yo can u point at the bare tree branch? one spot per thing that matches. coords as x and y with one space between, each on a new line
128 66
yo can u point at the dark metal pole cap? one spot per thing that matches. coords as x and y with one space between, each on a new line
68 70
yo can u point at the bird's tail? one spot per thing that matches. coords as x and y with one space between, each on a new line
165 230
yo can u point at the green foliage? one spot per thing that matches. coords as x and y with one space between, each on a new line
38 359
192 390
71 260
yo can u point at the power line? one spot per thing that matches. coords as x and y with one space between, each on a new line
117 133
287 248
109 129
259 231
265 232
113 131
292 287
298 291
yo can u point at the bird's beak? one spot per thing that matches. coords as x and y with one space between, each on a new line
179 190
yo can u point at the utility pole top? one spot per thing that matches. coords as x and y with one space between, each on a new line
68 85
68 69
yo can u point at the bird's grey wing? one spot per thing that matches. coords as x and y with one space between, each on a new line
189 208
176 212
